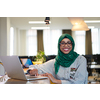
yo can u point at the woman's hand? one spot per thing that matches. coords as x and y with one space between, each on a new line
34 72
50 76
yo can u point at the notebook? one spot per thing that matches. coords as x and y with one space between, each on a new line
14 69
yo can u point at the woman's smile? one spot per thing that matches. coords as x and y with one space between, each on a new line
66 50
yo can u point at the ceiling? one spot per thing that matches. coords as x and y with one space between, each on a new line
56 22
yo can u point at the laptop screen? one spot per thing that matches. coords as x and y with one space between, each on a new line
26 62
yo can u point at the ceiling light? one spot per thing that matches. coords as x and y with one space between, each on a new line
92 21
75 20
38 22
80 27
78 24
40 27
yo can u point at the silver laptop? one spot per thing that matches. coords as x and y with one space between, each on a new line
14 69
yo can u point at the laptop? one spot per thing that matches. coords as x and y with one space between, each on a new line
14 69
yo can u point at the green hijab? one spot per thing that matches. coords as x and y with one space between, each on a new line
62 59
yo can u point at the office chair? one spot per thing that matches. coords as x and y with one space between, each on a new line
2 70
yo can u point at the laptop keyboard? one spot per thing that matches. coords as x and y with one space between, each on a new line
28 76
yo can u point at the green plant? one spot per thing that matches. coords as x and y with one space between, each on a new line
40 56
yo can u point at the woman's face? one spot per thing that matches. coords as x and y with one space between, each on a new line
65 45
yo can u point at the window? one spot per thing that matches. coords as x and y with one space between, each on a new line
50 40
11 41
31 42
79 38
95 41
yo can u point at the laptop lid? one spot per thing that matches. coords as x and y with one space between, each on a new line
13 67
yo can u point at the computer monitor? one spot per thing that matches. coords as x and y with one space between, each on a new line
26 62
89 58
96 58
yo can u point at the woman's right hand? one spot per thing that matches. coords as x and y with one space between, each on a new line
34 72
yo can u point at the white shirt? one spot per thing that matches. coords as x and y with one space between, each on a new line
75 74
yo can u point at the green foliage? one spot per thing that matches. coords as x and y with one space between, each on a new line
40 56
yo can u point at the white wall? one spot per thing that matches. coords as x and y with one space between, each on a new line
3 36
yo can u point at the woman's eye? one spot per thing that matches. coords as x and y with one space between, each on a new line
69 42
62 43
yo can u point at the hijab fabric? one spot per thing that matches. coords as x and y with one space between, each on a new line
62 59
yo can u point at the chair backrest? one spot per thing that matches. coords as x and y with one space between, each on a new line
2 70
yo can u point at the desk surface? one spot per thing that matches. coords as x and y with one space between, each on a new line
16 81
39 81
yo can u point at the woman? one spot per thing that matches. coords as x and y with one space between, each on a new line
67 68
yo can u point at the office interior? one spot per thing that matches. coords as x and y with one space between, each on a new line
18 38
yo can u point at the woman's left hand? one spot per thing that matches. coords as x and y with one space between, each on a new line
50 76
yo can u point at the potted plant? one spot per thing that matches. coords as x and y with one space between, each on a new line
40 58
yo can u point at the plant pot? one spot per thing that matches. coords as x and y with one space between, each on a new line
36 62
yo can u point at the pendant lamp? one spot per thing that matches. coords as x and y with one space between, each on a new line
78 24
